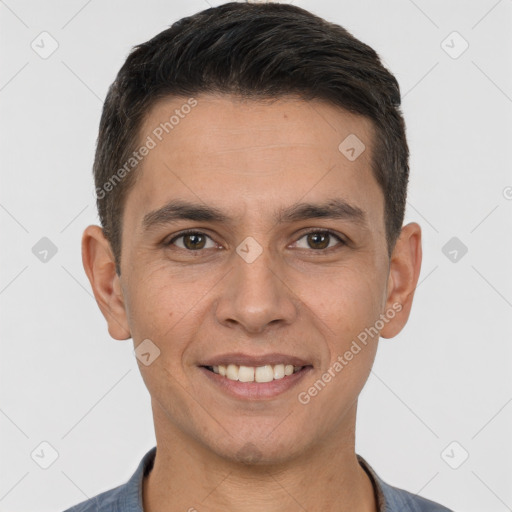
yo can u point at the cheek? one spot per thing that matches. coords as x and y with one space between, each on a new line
350 304
351 301
157 304
161 310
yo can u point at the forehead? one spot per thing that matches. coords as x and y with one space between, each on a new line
253 154
228 121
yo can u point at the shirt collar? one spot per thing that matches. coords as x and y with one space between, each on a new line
132 500
377 483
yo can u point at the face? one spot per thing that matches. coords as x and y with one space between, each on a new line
253 247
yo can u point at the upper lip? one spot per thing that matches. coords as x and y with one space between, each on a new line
255 361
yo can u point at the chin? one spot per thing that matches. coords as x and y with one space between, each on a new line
263 452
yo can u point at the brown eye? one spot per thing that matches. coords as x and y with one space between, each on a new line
320 240
192 241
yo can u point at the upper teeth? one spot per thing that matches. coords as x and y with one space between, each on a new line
265 373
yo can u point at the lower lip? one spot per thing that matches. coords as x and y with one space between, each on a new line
256 390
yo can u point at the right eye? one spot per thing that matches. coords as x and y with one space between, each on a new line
191 241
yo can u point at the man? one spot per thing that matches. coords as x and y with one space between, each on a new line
251 175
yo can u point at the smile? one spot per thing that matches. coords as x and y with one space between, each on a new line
266 373
264 382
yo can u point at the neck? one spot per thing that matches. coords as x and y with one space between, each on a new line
187 476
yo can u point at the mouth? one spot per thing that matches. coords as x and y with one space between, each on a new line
266 373
255 378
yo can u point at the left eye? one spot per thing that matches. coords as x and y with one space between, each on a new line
319 240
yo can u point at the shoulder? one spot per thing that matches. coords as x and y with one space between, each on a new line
108 501
393 499
123 498
401 500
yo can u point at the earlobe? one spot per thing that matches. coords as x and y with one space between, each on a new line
404 272
99 265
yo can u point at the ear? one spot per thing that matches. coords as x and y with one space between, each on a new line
404 271
99 265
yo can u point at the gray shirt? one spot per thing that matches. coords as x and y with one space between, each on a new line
128 497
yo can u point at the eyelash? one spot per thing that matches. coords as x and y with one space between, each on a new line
315 231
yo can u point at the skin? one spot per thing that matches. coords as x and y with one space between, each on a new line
249 158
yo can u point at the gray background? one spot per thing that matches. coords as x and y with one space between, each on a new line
444 379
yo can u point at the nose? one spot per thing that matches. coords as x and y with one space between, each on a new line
256 295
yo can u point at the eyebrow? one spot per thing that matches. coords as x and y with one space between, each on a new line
177 209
